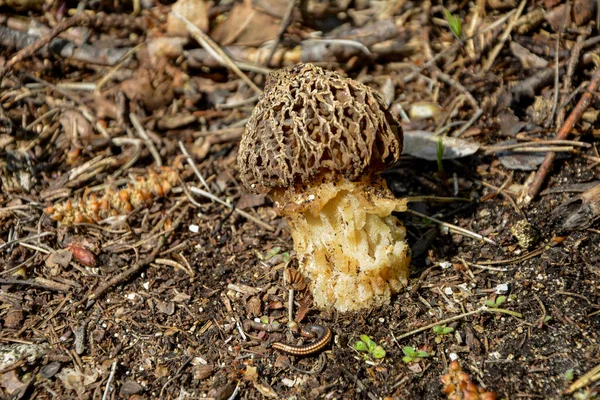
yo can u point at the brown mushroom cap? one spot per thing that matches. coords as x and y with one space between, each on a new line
311 122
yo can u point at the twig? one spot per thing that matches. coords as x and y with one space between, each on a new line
237 210
505 35
285 22
433 325
567 84
527 256
457 317
191 163
30 50
20 240
563 133
113 369
452 227
457 45
128 273
571 143
214 50
591 376
557 65
135 121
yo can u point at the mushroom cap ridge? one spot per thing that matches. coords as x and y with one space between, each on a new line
311 122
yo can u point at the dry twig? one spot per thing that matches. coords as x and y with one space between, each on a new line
563 133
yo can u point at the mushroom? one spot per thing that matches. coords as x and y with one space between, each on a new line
315 144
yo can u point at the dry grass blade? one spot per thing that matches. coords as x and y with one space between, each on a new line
454 228
215 51
590 377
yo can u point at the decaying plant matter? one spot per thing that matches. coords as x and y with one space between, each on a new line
459 386
315 143
114 202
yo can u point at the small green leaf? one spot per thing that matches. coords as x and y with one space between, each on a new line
440 154
409 351
442 330
569 375
370 343
454 23
264 319
490 304
407 359
273 252
500 300
360 346
422 354
285 256
378 352
547 318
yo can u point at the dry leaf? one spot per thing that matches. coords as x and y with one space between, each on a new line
194 11
423 144
527 58
246 26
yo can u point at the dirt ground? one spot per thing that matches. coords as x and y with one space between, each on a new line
135 265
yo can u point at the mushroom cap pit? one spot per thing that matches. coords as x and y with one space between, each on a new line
311 123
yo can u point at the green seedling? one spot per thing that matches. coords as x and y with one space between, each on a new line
367 345
441 331
569 375
413 355
440 155
454 23
495 303
277 250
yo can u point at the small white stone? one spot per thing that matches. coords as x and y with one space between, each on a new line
288 382
194 228
131 296
146 285
453 356
381 319
445 264
448 291
501 288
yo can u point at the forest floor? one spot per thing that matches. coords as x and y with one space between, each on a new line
134 264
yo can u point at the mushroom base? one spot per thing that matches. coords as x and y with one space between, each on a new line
349 245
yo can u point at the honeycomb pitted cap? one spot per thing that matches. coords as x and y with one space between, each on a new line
311 122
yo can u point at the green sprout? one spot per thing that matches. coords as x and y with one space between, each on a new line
440 154
413 355
495 303
454 23
569 375
441 331
277 250
367 345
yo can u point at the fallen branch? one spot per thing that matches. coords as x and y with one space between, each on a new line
563 133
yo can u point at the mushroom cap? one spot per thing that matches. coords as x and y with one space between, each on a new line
312 123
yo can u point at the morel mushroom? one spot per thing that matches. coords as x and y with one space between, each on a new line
315 144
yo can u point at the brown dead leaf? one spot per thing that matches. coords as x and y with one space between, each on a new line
526 57
75 124
194 11
251 373
151 87
253 306
12 384
169 47
59 258
246 26
202 371
556 16
583 11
